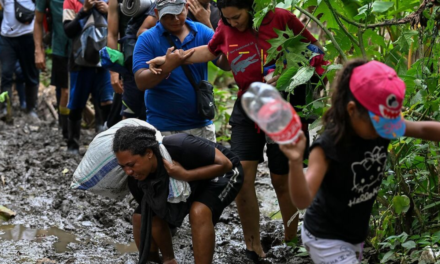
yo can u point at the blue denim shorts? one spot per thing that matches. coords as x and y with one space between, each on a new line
89 80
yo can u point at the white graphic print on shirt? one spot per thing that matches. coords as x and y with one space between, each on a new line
367 175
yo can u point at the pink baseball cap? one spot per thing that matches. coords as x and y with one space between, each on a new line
378 88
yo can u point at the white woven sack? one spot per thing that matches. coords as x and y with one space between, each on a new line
100 173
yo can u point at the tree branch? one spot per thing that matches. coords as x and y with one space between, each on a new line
329 34
340 24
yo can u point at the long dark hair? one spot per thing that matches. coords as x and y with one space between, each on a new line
336 120
240 4
136 139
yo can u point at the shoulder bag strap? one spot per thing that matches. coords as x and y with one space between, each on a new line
185 68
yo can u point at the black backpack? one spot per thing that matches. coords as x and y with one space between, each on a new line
92 39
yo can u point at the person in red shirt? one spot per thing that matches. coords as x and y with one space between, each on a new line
245 49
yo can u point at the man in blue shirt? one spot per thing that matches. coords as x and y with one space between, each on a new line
170 98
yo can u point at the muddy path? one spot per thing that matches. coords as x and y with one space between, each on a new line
55 224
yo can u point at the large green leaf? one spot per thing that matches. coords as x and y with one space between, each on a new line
401 204
381 7
301 77
284 80
409 245
404 41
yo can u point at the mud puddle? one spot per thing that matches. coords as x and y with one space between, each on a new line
63 238
55 224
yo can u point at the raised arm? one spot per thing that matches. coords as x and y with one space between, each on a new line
220 166
427 130
303 188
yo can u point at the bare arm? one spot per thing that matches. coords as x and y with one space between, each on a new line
148 23
223 63
196 55
303 188
220 166
112 41
40 60
146 79
427 130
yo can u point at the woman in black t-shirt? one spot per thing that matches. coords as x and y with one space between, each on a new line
347 162
212 171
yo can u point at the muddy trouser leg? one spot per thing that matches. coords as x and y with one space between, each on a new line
31 97
8 60
64 119
74 130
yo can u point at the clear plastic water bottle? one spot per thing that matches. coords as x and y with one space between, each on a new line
276 117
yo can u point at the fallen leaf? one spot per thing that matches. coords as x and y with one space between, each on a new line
8 213
65 171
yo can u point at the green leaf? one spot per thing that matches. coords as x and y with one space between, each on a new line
387 256
409 245
285 78
401 204
301 77
277 42
403 43
380 7
417 98
431 205
4 97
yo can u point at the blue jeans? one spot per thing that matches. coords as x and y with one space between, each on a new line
21 49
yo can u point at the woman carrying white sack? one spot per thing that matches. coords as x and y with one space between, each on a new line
213 172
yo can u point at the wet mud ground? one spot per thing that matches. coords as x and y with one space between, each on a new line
55 224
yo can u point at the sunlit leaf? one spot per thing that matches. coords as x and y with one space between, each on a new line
401 204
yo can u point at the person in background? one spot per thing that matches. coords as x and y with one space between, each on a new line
84 79
205 12
133 105
348 160
60 50
170 98
17 44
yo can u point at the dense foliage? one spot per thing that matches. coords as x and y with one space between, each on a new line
404 35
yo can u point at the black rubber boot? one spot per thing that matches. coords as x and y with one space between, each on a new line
99 121
31 102
74 132
64 119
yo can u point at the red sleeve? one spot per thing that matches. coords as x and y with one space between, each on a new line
295 24
217 43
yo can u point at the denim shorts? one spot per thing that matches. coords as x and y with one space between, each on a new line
88 80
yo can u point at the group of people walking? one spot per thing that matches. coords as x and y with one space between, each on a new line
174 41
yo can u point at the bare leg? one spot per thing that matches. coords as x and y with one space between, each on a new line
203 235
248 209
280 184
154 251
162 238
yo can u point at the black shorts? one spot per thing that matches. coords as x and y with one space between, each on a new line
133 103
60 74
248 141
216 194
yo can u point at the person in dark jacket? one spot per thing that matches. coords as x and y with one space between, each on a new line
213 172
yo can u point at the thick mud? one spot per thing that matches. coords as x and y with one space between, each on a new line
55 224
